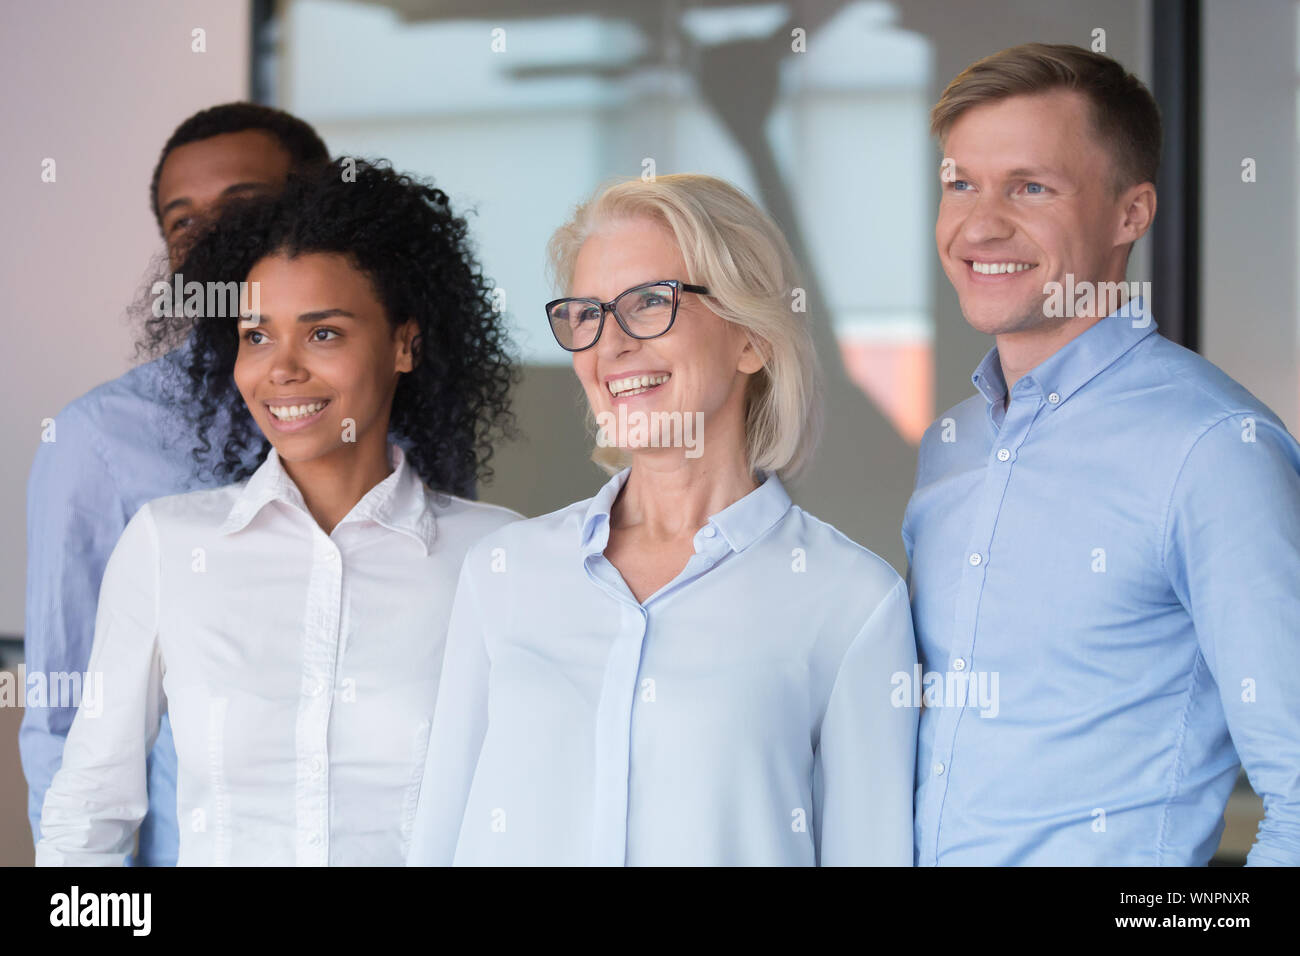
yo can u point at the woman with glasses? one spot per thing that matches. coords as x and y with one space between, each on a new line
685 668
291 623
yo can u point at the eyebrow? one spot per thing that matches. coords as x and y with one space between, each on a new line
317 316
237 187
175 203
240 187
1020 172
1025 172
596 298
320 314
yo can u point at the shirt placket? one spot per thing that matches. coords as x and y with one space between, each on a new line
1007 439
618 695
319 659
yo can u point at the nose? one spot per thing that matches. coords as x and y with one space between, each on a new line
987 221
286 365
613 341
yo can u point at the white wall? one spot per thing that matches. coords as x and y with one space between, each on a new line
98 87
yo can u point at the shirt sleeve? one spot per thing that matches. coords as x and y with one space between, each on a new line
456 737
1232 552
74 517
866 753
99 795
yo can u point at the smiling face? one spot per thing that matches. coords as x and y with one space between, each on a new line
1032 202
702 364
197 177
322 353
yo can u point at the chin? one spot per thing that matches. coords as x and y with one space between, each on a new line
991 319
302 448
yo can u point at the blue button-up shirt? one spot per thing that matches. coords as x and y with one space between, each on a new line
1105 580
109 452
743 714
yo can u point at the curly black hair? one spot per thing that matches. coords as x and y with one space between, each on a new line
401 233
299 139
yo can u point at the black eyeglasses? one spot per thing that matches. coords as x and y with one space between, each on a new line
643 312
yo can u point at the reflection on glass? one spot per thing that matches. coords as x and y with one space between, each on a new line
818 112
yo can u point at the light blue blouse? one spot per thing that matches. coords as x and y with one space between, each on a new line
741 715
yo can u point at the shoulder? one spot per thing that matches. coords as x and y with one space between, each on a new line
849 595
138 544
542 536
1193 392
124 411
972 409
467 518
947 433
76 442
101 404
193 512
1199 416
845 564
955 421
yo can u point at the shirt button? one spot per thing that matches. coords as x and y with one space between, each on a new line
975 559
939 768
314 839
959 664
1003 454
1054 398
317 764
709 531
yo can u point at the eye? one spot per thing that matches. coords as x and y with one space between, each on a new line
1035 189
248 337
316 333
959 185
181 223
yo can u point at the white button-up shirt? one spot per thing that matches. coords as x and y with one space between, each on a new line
299 670
743 714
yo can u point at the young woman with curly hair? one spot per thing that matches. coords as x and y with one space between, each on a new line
291 623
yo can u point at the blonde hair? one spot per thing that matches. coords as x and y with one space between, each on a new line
1123 112
734 249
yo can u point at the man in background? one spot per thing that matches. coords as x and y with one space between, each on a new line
121 445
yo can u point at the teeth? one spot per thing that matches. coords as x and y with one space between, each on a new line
998 268
634 384
288 413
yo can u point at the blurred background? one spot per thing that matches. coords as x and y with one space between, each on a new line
519 110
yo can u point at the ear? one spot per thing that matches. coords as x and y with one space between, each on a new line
1138 205
751 359
408 341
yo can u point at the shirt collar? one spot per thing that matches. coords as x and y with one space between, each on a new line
741 523
1076 363
398 503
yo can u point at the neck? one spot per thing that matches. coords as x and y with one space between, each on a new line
669 498
332 484
1021 351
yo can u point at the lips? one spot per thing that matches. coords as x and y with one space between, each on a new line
294 414
998 270
638 383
